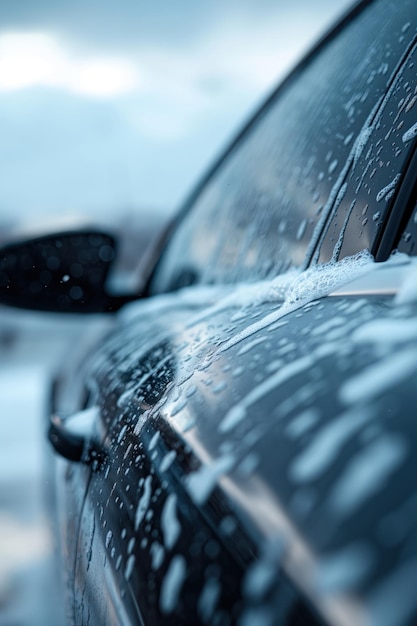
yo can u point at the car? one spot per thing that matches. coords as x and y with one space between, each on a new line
235 440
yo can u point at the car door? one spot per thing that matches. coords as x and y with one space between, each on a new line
235 423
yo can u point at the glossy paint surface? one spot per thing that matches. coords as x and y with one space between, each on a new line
252 456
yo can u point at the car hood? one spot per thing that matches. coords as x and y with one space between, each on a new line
297 422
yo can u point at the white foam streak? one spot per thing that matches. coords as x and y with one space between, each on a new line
302 288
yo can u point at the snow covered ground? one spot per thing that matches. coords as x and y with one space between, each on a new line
29 593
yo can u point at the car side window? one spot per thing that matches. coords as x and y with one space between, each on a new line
262 209
371 199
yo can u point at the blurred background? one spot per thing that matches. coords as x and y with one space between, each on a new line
109 112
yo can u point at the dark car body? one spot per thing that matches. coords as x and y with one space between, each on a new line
253 413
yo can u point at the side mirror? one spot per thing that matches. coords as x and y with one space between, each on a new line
61 272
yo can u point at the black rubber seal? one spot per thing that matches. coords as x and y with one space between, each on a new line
401 209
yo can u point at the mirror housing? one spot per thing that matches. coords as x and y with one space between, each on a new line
62 272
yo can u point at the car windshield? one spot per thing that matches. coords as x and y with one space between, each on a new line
262 210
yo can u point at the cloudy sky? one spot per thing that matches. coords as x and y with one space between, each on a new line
107 107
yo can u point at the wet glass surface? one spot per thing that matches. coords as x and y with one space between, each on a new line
283 182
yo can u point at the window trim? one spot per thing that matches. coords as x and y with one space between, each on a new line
400 211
